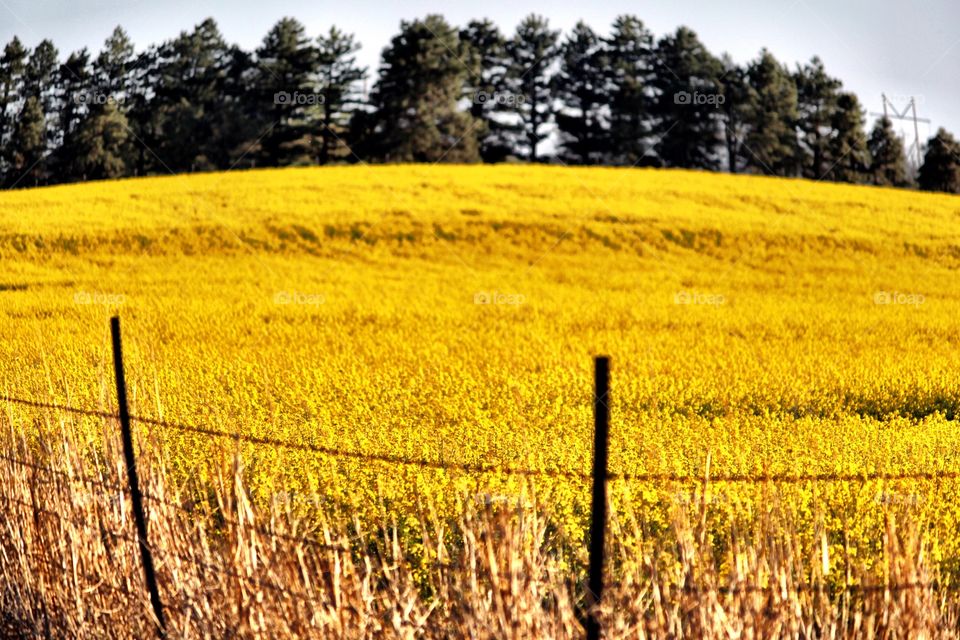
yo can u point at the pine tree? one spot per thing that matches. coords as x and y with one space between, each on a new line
235 126
580 87
39 93
688 101
189 98
145 111
771 143
102 149
735 111
846 149
941 164
75 92
630 88
532 52
486 90
113 68
12 65
817 98
421 80
337 78
28 146
286 70
39 74
90 92
888 164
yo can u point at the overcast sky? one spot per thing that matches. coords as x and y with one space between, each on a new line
904 48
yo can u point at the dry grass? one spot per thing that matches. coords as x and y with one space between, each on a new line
779 326
70 566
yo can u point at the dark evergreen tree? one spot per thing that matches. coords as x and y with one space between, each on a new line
145 112
362 134
190 98
580 87
888 164
75 93
734 112
532 52
235 126
40 85
12 65
416 114
197 103
114 67
687 103
941 164
631 94
771 144
102 144
286 73
27 150
817 96
846 149
337 78
98 93
39 74
486 90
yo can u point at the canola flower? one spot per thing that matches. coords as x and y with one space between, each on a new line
450 314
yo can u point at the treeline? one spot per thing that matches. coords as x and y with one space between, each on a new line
441 94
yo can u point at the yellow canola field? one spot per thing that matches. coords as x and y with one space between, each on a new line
450 314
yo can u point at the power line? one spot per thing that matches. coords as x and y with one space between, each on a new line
902 115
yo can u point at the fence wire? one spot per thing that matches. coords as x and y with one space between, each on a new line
483 469
786 478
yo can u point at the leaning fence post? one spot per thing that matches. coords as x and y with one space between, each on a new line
136 498
598 516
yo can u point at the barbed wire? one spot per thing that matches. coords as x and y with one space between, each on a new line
38 509
257 528
744 478
687 589
162 553
168 503
818 588
202 564
330 451
101 531
128 537
57 407
73 478
223 571
784 478
96 581
359 455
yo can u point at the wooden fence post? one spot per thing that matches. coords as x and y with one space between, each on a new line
136 498
598 516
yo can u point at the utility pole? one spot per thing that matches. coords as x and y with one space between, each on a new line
910 109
